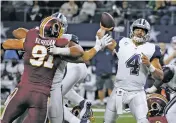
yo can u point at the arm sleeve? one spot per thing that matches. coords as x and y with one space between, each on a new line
157 83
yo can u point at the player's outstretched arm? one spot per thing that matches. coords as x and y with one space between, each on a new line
105 41
73 50
156 69
20 33
16 44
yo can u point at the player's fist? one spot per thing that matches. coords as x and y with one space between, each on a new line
51 49
150 90
145 60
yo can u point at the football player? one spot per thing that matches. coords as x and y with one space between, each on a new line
170 81
32 92
67 82
54 103
136 59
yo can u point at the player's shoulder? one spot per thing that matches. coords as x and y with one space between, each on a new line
71 37
153 47
121 40
154 51
32 31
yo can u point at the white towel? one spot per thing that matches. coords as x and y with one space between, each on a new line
119 103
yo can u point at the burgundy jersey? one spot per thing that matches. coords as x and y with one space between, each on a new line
39 66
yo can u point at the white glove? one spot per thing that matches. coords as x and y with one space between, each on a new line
150 90
52 49
103 42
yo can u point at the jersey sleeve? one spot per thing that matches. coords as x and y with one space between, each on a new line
118 41
157 53
30 34
71 37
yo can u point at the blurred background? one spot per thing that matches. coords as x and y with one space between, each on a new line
83 18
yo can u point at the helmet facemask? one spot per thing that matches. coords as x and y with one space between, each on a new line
61 18
140 24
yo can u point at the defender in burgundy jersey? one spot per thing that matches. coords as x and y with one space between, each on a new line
39 69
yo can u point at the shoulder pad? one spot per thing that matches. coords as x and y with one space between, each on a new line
75 39
119 38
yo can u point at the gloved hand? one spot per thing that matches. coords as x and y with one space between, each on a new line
150 90
103 42
52 49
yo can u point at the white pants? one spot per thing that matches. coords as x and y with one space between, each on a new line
55 107
75 73
136 101
170 110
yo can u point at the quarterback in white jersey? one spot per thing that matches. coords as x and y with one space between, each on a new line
136 59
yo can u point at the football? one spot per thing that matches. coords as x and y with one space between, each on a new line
107 21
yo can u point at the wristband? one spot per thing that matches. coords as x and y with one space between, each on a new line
152 68
97 48
62 51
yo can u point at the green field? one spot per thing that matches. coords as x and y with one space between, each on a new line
125 118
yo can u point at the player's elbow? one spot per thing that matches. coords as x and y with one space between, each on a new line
20 33
160 75
80 52
6 45
77 51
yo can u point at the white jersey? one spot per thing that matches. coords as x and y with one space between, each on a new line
172 83
60 71
132 74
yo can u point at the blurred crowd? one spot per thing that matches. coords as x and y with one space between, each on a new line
157 12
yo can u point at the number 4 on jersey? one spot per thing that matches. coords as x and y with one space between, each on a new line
134 64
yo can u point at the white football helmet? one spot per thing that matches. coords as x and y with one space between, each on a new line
140 23
62 19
